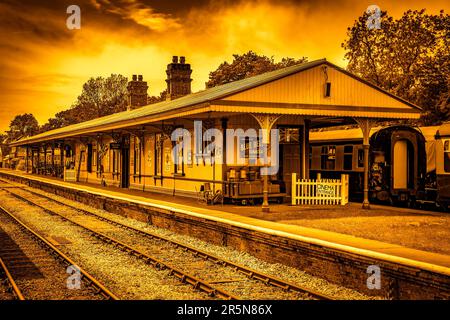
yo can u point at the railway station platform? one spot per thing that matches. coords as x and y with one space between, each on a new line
279 236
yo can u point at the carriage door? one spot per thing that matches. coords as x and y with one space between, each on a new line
400 165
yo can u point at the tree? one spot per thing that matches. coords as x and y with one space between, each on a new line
247 65
21 126
156 99
62 119
408 57
3 145
99 97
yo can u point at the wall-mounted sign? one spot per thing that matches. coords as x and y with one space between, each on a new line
325 190
167 157
115 145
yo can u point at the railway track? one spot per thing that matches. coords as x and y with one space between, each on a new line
33 268
221 276
11 291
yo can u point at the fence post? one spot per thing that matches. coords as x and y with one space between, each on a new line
294 189
344 189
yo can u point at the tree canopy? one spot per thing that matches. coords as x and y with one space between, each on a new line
409 57
247 65
23 125
99 97
156 99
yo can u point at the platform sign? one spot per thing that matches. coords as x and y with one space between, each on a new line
326 190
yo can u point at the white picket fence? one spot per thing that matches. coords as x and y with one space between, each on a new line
70 175
319 191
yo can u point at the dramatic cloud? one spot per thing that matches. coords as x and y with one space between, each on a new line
44 64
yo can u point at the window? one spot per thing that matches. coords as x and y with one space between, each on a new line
137 156
447 155
310 156
94 158
289 135
158 154
115 160
89 158
360 158
328 158
179 163
348 157
249 149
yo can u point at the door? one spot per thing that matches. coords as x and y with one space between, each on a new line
400 165
125 178
291 163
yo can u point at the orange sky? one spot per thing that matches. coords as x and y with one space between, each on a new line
43 64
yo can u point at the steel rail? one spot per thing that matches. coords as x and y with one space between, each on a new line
184 277
253 274
90 280
11 283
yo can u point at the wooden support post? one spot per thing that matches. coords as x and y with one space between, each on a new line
61 160
365 125
26 160
45 159
366 203
32 159
53 160
294 189
266 122
265 204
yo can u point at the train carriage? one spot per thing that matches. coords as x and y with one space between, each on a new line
441 156
397 162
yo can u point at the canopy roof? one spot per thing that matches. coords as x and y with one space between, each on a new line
212 100
352 134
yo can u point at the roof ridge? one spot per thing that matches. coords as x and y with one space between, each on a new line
165 105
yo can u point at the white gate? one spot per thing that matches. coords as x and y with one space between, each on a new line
70 175
319 191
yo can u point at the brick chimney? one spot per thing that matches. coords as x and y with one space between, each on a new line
178 78
137 92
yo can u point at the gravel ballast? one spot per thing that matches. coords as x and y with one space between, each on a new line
290 274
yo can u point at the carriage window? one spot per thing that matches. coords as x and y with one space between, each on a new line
447 155
348 157
328 158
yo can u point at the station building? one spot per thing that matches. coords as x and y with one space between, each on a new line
133 149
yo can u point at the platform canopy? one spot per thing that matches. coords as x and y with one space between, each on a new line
296 90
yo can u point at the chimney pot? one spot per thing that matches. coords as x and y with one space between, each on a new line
137 92
178 78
